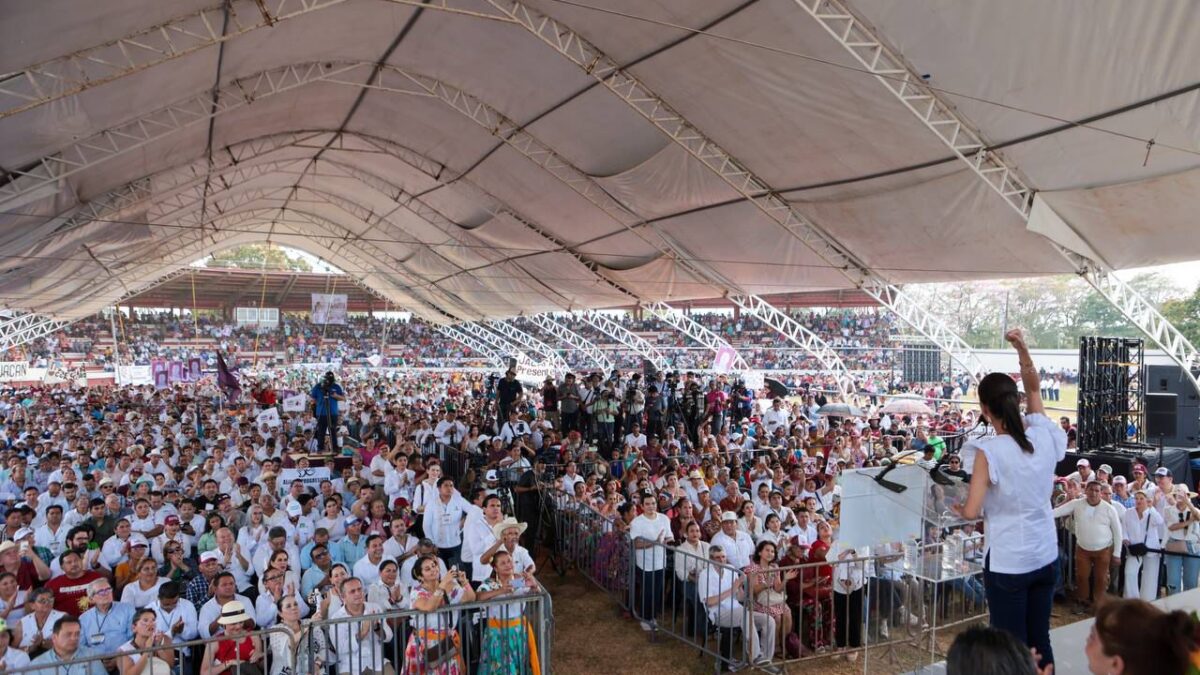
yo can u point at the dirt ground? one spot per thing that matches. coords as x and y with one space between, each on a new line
592 636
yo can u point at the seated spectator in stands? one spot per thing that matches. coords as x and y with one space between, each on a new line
146 636
65 647
237 652
34 631
722 591
71 587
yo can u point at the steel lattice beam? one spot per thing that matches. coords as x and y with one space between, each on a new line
689 327
733 172
570 337
25 328
799 335
962 138
547 353
475 345
505 346
616 331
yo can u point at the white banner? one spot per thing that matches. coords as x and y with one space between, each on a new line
329 308
530 371
310 477
269 417
135 375
57 374
375 360
13 370
754 379
295 403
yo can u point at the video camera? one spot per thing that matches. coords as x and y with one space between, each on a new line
328 381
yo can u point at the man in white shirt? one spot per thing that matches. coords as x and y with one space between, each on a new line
53 535
173 617
651 533
737 544
777 416
513 428
367 567
722 591
443 521
635 438
450 431
359 644
1097 527
1083 473
478 538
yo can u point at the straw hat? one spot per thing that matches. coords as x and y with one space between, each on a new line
500 527
233 613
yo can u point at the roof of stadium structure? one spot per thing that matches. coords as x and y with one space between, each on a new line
485 158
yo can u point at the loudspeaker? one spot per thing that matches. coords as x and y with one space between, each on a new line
1170 379
922 362
1161 416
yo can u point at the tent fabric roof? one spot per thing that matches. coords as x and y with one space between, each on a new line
461 168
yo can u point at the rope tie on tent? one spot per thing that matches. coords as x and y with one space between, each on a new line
1149 147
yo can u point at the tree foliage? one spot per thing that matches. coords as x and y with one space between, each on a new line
1054 311
258 257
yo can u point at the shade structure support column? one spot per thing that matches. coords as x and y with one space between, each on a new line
570 337
954 130
800 336
692 329
545 352
605 324
475 345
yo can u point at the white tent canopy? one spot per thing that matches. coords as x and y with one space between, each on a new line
457 163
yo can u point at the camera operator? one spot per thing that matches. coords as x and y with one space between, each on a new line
508 392
325 396
741 400
514 428
529 500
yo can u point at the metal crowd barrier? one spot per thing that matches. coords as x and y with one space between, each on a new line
820 615
513 635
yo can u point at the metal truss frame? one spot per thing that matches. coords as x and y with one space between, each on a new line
475 345
799 335
734 173
961 137
692 329
24 328
520 337
58 78
506 347
567 336
616 331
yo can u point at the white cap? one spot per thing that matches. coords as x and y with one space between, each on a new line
210 555
137 539
294 509
728 516
1162 471
1106 468
1083 462
491 475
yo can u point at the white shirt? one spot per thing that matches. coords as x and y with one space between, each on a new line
1096 527
1016 508
694 561
166 620
394 550
366 570
56 542
714 581
653 558
443 521
774 419
354 655
1189 533
637 442
211 611
134 596
1148 528
738 548
477 539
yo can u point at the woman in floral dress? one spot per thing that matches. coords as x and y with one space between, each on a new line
508 643
768 586
435 647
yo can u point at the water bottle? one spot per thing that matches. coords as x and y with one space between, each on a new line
952 553
912 554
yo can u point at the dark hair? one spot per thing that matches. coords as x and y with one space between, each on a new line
276 533
168 590
66 620
490 498
998 393
137 614
416 568
757 557
1146 638
983 650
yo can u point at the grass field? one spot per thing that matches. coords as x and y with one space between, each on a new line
1065 406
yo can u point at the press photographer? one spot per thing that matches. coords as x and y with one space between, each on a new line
325 396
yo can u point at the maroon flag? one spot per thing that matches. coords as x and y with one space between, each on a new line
227 379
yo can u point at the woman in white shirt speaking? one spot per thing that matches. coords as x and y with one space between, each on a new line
1012 479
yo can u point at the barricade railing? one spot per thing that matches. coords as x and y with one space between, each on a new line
514 633
846 605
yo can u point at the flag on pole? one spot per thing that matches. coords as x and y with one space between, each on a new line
294 403
227 379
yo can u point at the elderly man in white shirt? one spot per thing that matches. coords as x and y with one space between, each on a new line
777 416
723 593
1097 527
738 545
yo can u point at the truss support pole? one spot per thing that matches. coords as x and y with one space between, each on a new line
962 138
802 337
503 345
692 329
546 353
475 345
569 337
756 191
25 328
616 331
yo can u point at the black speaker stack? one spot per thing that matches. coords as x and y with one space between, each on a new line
1172 407
1111 393
922 362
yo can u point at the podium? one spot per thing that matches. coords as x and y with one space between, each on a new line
905 515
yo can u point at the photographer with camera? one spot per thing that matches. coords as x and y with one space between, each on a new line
325 396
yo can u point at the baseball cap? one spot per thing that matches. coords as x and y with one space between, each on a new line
350 520
1162 471
171 520
491 475
136 539
210 556
728 516
1106 468
1083 462
22 533
294 509
1119 480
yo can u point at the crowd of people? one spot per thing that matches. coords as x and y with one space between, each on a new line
442 490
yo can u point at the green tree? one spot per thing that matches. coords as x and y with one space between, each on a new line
259 256
1098 317
1184 313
